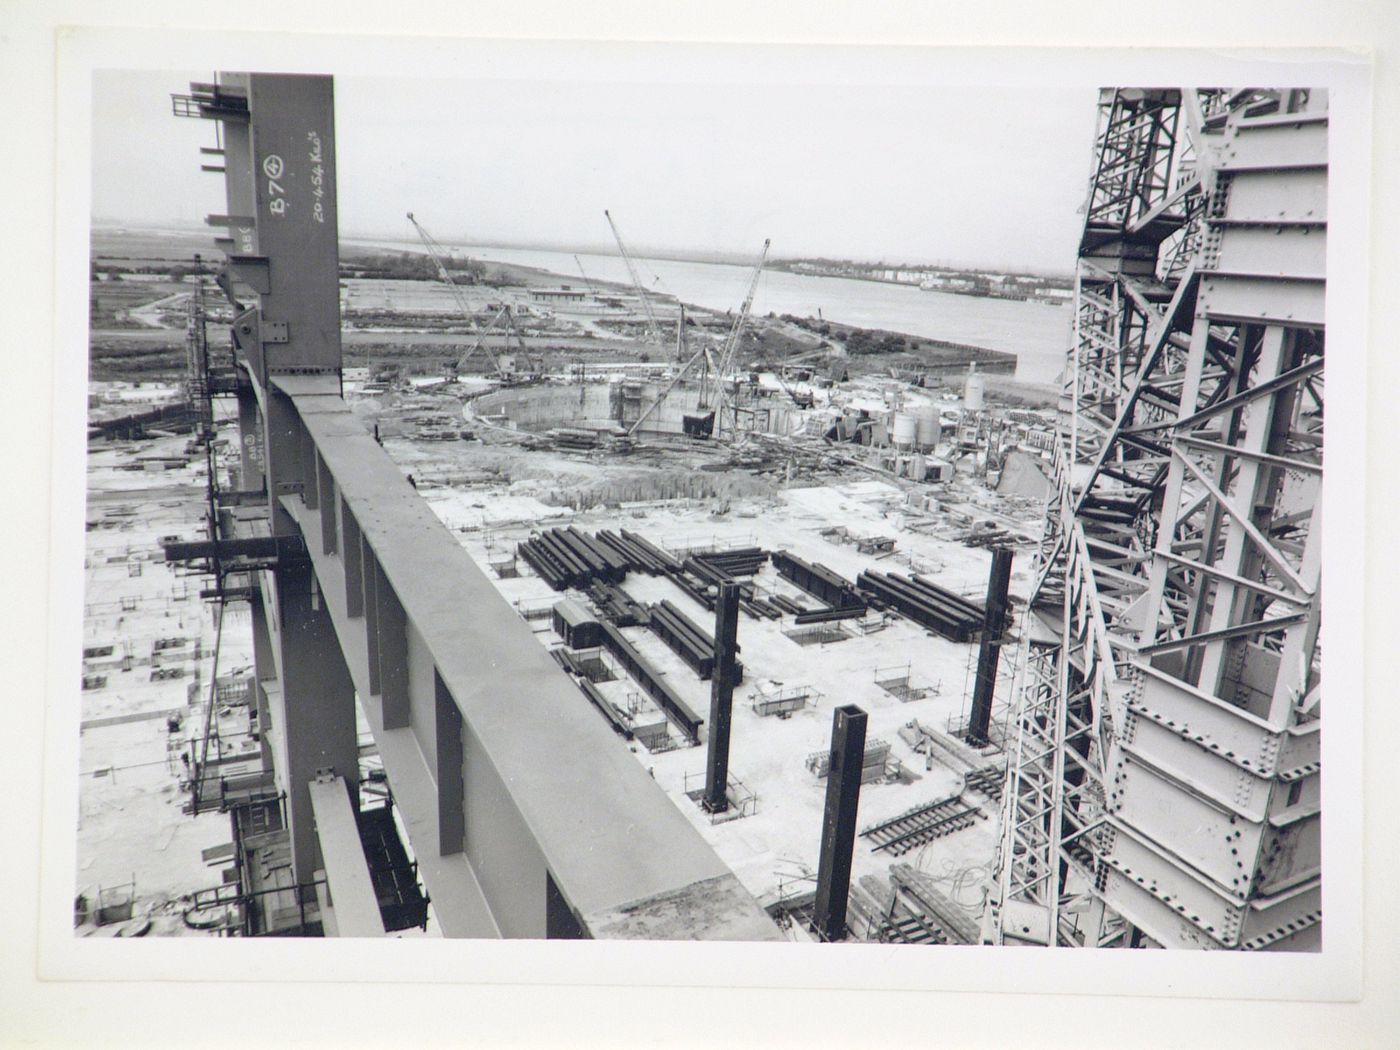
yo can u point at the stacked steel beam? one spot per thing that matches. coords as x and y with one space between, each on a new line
742 561
676 709
688 640
650 558
818 581
618 723
788 605
760 608
719 567
843 601
568 558
636 553
926 603
849 612
617 606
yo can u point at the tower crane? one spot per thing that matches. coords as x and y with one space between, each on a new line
653 332
439 255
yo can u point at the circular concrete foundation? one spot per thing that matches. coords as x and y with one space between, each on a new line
605 406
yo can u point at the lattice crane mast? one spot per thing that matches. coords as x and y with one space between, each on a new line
653 332
583 273
439 255
730 347
736 331
706 354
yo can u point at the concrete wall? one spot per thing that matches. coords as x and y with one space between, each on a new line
592 405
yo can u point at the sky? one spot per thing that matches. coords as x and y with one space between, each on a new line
898 172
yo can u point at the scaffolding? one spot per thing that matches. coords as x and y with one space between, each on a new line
773 699
743 802
196 381
818 633
898 682
1004 691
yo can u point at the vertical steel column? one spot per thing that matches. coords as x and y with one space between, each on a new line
316 727
993 627
351 554
447 735
716 798
392 649
839 822
264 668
329 501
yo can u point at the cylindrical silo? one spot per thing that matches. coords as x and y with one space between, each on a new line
973 391
906 429
926 427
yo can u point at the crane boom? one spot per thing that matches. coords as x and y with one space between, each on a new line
584 275
736 331
712 362
729 349
438 254
653 332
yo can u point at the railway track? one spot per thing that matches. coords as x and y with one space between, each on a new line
922 825
988 782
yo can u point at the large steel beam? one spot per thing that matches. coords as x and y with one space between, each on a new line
716 798
313 716
257 548
839 822
993 627
352 896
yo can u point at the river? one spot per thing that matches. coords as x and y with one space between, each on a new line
1037 333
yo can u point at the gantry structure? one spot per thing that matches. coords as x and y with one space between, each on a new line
1164 776
525 816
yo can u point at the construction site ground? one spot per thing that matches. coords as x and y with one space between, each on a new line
133 830
796 494
495 495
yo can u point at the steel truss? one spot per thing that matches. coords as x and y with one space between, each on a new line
1163 786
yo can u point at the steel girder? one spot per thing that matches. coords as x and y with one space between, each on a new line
1165 768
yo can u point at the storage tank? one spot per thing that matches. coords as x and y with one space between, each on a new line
906 430
926 433
973 390
918 467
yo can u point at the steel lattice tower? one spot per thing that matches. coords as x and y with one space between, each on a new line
1164 778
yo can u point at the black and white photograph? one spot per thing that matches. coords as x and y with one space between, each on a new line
795 516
